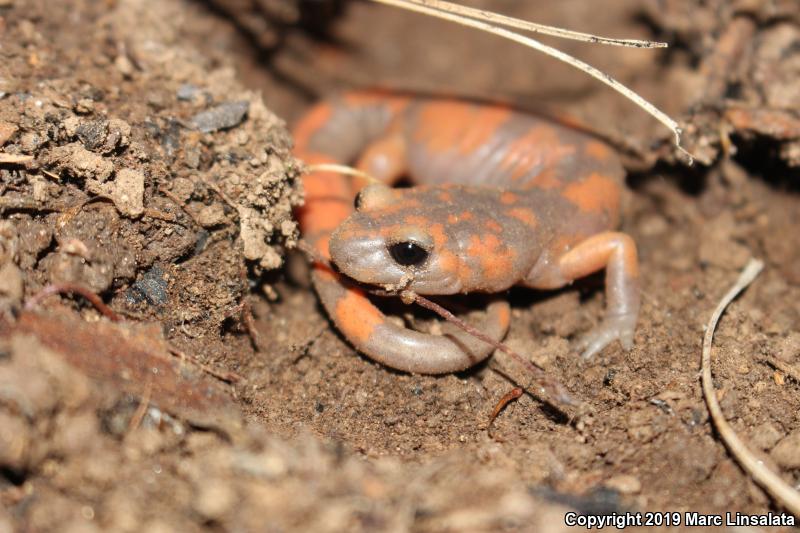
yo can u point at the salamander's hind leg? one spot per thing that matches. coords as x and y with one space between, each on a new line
616 252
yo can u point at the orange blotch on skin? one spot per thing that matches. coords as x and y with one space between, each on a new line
546 179
437 125
494 226
598 150
525 215
504 316
508 198
309 125
496 260
417 220
498 267
328 201
400 205
448 262
540 147
356 317
484 126
459 126
325 274
322 216
439 235
377 97
445 196
481 245
452 219
323 246
595 194
466 215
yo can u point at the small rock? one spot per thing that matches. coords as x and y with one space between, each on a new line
84 106
14 442
187 92
214 499
124 65
11 285
152 288
624 484
128 192
288 228
104 136
211 215
719 246
7 130
70 126
787 452
92 133
223 116
41 189
65 268
30 142
81 163
765 436
5 517
789 347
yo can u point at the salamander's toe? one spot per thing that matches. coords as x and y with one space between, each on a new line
620 327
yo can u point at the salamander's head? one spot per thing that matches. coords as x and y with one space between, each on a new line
397 239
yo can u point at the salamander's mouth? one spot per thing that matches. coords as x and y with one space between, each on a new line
362 255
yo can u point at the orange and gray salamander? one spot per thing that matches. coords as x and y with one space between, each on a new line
501 198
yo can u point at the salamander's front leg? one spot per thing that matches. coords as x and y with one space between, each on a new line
373 334
385 158
616 252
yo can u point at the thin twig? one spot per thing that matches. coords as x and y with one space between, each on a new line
246 310
553 52
548 384
15 159
159 215
772 483
181 205
50 174
144 403
342 169
214 187
507 398
223 375
72 288
554 31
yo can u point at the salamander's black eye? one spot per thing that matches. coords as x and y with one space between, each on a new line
408 253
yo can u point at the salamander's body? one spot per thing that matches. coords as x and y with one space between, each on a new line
501 198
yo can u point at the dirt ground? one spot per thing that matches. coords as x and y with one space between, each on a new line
145 156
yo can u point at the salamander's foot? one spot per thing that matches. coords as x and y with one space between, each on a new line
613 327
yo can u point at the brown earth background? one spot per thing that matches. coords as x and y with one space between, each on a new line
146 157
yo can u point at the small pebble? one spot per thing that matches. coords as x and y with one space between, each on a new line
624 484
187 92
787 452
223 116
152 288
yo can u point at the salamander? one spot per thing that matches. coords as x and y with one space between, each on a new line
499 198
